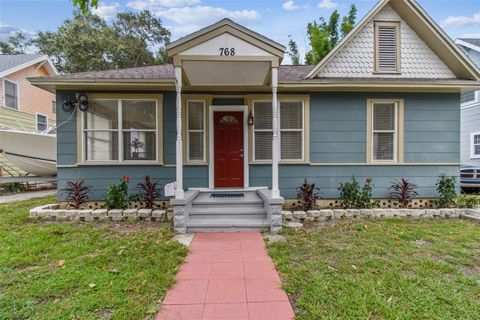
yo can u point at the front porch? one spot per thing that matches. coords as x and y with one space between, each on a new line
224 57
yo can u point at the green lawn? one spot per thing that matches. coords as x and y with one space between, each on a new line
82 271
384 269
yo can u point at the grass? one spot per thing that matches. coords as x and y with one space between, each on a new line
384 269
82 271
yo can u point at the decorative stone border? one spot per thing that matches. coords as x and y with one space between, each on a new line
293 218
417 203
54 212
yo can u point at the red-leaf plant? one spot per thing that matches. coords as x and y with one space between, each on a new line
77 193
403 192
307 195
149 191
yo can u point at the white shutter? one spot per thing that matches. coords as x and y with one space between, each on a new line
387 47
196 130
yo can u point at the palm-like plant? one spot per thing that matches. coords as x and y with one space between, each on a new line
307 195
77 193
149 191
403 192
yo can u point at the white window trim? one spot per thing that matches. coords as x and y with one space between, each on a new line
187 138
473 102
120 131
262 161
5 96
36 120
395 133
472 146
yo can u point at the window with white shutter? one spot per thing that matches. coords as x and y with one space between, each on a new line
291 115
196 131
384 131
387 48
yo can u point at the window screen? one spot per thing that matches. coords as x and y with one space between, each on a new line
11 95
384 131
196 130
42 122
263 130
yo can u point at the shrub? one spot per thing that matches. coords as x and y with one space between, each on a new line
76 193
307 195
352 196
149 191
403 192
117 194
467 201
446 191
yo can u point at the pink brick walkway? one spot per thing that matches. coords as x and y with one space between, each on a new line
227 276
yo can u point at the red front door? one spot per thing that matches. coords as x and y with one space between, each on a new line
228 147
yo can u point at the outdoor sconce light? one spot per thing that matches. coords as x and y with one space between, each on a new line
69 103
250 118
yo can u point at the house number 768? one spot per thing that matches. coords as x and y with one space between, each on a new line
227 51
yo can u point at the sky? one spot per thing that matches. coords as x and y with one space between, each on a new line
277 20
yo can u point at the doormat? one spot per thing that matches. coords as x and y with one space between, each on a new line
226 195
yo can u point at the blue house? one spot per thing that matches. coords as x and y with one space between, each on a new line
238 132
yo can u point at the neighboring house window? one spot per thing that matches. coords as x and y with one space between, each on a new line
387 47
291 114
42 122
196 131
475 145
467 97
386 130
54 107
121 130
11 94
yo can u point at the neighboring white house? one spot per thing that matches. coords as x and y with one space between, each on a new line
470 110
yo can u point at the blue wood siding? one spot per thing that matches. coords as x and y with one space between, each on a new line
328 178
337 135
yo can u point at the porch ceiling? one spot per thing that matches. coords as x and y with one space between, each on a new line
226 73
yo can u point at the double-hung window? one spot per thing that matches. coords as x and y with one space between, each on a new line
291 122
121 130
11 94
475 145
196 131
42 122
384 119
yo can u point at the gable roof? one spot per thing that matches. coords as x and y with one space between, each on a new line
10 63
425 27
224 25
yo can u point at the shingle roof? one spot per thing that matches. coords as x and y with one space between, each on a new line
166 72
8 61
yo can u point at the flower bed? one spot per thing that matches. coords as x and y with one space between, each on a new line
55 212
324 215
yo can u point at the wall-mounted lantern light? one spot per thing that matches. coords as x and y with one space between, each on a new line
250 118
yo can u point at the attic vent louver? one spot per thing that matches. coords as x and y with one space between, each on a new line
387 47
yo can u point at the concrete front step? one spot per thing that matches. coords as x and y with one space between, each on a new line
231 223
226 210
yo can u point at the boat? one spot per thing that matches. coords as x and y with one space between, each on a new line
35 153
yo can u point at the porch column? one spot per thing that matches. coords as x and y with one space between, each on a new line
275 140
179 193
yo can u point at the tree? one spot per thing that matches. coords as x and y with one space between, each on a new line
293 52
85 5
323 36
87 42
15 44
348 22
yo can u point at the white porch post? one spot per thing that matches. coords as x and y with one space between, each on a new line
275 140
179 193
